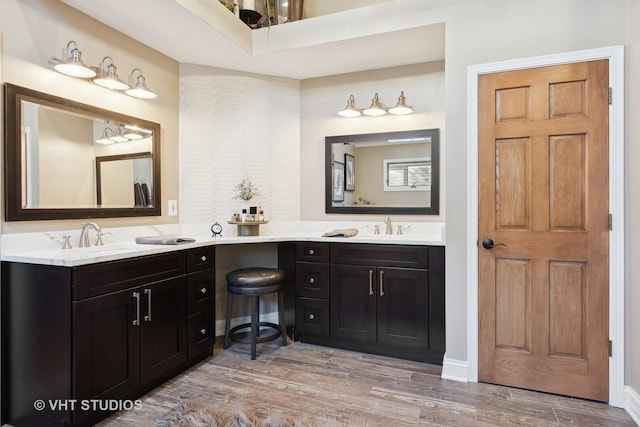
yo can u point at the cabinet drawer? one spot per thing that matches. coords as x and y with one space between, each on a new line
312 251
312 316
200 334
380 255
312 280
201 291
201 258
97 279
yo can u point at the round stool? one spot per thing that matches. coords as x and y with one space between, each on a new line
253 282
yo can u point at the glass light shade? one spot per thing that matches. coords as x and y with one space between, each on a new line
401 107
350 110
109 78
132 135
72 65
375 109
105 138
140 90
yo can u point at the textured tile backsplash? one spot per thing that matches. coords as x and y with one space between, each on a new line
234 124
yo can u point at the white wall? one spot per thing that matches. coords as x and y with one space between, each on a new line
234 124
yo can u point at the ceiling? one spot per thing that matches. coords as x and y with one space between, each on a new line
188 36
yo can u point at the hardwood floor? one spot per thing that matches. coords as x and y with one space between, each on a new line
360 390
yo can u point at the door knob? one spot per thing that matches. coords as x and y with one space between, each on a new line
488 243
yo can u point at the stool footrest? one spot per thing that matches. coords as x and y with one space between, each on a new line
273 332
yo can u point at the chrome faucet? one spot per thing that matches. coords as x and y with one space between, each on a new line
84 235
389 229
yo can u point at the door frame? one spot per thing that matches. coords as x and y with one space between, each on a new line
615 55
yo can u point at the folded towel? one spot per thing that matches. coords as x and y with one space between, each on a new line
164 240
347 232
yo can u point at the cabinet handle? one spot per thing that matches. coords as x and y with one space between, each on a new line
147 318
311 317
203 331
370 282
203 258
381 283
136 321
312 280
203 290
311 252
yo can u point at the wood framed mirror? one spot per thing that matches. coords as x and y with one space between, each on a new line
383 173
53 148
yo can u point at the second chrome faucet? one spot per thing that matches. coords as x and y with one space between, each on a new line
84 235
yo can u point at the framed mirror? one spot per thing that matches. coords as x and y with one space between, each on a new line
63 158
383 173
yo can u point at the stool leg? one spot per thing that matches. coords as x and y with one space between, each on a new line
255 301
227 323
283 325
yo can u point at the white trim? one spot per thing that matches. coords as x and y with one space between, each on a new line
456 370
632 404
615 55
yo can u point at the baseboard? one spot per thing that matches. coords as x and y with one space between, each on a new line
264 317
456 370
632 403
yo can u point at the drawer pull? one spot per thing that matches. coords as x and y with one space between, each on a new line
381 283
203 290
136 321
203 331
370 282
312 280
311 252
203 258
312 316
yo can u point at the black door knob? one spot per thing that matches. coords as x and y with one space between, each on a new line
488 243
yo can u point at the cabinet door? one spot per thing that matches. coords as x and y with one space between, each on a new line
164 327
106 354
403 307
353 302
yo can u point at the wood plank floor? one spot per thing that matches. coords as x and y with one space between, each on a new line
360 390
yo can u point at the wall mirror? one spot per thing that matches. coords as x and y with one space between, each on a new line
383 173
64 160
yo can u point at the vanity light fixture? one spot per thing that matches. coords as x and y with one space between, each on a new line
109 78
376 109
132 134
105 139
140 89
118 136
350 110
401 107
72 65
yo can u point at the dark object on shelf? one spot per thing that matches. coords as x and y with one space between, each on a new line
250 17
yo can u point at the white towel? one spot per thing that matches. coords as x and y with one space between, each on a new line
164 240
347 232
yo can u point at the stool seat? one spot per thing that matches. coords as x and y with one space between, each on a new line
253 282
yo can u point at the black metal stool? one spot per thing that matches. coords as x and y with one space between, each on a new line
253 282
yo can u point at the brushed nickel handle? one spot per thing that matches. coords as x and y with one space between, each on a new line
147 318
203 290
312 316
311 252
312 280
203 331
381 283
136 321
370 282
203 258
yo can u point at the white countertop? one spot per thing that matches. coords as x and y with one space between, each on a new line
119 243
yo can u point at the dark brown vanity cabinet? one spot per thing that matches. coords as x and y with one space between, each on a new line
312 288
100 332
386 299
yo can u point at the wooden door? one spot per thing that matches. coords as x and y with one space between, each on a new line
543 194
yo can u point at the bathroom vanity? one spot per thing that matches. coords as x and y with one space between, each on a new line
107 324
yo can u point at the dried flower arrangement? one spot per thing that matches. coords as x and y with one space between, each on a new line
246 190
